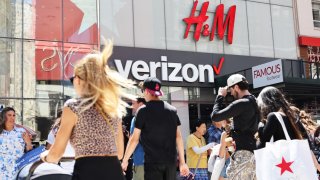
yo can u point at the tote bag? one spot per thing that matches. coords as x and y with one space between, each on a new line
213 156
285 159
218 166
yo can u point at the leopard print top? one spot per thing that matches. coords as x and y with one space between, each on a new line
92 136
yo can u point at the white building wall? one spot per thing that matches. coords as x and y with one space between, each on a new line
305 19
263 28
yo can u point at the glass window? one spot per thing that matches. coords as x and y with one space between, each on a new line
48 67
116 21
40 114
11 68
260 32
283 32
80 21
42 68
206 95
316 13
205 111
10 18
193 93
193 115
43 20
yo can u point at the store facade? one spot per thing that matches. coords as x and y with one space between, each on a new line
308 21
42 40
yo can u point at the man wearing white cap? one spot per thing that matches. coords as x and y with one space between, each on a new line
246 117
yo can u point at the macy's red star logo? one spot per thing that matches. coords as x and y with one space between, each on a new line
285 166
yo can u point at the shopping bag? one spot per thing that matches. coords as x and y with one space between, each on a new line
213 156
217 168
30 157
285 159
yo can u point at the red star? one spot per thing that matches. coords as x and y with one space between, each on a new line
285 166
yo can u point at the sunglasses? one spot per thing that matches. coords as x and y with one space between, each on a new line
72 78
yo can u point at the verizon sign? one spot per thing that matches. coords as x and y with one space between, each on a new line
172 72
267 74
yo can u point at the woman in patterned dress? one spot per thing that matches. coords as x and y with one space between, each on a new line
14 141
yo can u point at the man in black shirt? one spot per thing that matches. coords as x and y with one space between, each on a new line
158 125
246 117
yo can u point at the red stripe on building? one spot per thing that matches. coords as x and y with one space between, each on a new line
309 41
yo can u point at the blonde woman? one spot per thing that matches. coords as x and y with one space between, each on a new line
93 121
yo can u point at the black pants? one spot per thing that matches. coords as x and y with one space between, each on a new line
159 171
102 168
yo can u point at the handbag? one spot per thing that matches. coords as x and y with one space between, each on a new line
285 159
191 175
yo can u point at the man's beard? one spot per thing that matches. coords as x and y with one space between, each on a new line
236 95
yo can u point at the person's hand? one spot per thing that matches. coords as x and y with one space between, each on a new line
27 138
222 91
184 170
43 155
224 135
209 151
124 165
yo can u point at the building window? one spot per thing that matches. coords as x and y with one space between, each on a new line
316 13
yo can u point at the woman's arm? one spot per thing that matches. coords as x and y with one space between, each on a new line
120 143
269 129
68 120
199 150
222 151
315 162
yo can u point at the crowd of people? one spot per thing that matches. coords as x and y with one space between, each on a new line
90 130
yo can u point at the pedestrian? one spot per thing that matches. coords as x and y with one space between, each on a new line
214 132
223 155
271 100
197 149
14 142
246 116
159 127
93 121
138 154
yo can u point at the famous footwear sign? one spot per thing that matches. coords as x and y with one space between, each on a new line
267 74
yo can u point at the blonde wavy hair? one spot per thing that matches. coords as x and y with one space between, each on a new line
103 87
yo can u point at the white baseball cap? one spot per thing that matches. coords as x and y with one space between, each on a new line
234 79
